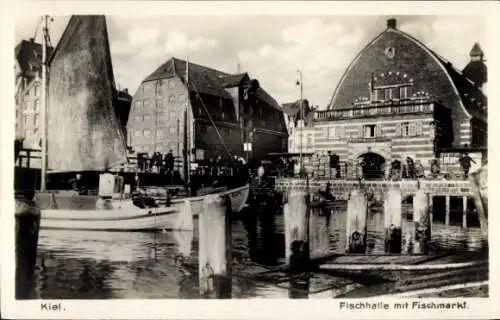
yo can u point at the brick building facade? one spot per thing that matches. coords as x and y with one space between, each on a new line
398 98
241 109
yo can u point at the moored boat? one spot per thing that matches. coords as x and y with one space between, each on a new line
80 105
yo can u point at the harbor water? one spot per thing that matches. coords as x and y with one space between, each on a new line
137 265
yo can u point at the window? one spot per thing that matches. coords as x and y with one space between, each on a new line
369 131
158 88
36 120
138 106
171 83
171 99
147 133
405 129
173 115
37 105
403 92
159 133
146 105
171 131
411 129
159 103
147 118
161 117
331 133
36 90
138 118
388 93
137 133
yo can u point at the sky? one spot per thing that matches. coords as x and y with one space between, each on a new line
270 48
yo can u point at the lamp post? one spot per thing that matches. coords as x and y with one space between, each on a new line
300 83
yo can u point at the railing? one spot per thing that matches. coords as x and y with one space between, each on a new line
375 108
134 164
349 171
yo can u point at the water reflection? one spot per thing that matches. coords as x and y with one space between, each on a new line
104 265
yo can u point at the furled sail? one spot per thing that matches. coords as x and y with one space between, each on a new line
83 131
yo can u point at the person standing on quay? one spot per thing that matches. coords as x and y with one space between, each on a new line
169 161
465 162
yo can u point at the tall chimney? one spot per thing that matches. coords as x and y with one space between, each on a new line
391 23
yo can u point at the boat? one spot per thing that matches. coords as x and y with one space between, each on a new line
80 102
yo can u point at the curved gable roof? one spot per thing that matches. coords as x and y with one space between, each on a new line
414 60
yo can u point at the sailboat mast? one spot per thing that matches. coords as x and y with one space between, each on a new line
43 105
186 128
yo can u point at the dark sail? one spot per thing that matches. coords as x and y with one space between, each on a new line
83 131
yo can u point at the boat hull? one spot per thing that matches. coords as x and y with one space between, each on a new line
127 217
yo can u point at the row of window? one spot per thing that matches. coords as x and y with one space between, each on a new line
155 86
393 93
160 132
405 129
150 104
160 117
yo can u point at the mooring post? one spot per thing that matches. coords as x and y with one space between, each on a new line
392 221
215 248
27 213
185 218
464 207
296 229
447 210
422 222
356 231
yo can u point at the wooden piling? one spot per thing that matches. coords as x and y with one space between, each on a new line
464 213
421 223
447 210
27 213
356 231
296 229
215 248
392 221
185 218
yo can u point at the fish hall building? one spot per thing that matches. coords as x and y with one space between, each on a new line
400 99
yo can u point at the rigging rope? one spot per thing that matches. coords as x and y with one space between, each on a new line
213 123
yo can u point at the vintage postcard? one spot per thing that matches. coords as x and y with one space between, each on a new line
236 160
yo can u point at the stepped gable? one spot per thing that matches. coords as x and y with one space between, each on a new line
396 57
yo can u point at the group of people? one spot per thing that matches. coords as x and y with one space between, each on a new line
157 163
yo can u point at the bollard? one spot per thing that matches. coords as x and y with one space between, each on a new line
27 214
215 248
296 230
422 223
392 221
356 232
185 218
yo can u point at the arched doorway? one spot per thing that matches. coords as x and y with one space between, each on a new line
373 165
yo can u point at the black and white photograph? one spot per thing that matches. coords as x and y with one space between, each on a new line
250 156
